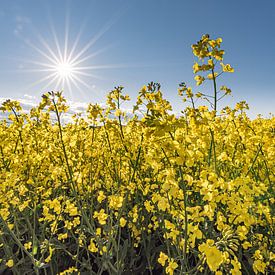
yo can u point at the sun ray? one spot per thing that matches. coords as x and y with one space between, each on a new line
91 55
107 66
36 70
63 83
43 64
93 40
81 81
38 50
46 45
75 43
74 81
89 74
56 40
49 83
57 84
66 36
43 79
76 40
70 88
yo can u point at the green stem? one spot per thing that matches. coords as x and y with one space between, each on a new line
215 90
185 218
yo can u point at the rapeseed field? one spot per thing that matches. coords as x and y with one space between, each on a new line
150 193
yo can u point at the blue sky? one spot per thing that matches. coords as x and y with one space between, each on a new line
134 42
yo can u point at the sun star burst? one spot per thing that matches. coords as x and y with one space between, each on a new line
66 67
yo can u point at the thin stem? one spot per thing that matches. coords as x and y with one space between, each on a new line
215 89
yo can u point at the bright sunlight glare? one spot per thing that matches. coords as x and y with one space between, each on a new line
65 66
65 69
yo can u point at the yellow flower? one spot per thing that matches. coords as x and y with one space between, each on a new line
4 213
227 68
246 245
237 267
210 63
168 225
258 255
227 90
214 256
223 156
55 205
92 246
196 68
98 231
101 196
68 271
9 263
51 250
68 225
148 206
195 233
212 43
242 232
211 76
71 209
163 204
217 54
199 79
144 89
171 267
115 201
76 221
28 245
259 266
103 250
189 92
101 216
122 222
219 41
162 258
62 236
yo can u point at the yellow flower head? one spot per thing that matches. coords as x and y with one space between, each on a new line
9 263
199 79
122 222
28 245
115 201
214 256
162 258
171 267
101 216
227 68
92 246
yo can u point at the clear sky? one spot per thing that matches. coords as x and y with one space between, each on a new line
133 42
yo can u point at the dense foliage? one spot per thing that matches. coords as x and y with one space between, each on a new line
147 193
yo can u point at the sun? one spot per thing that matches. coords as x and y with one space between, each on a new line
64 70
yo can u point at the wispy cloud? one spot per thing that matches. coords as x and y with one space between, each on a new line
31 97
20 23
29 101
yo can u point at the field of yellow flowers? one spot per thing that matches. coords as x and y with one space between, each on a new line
151 193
